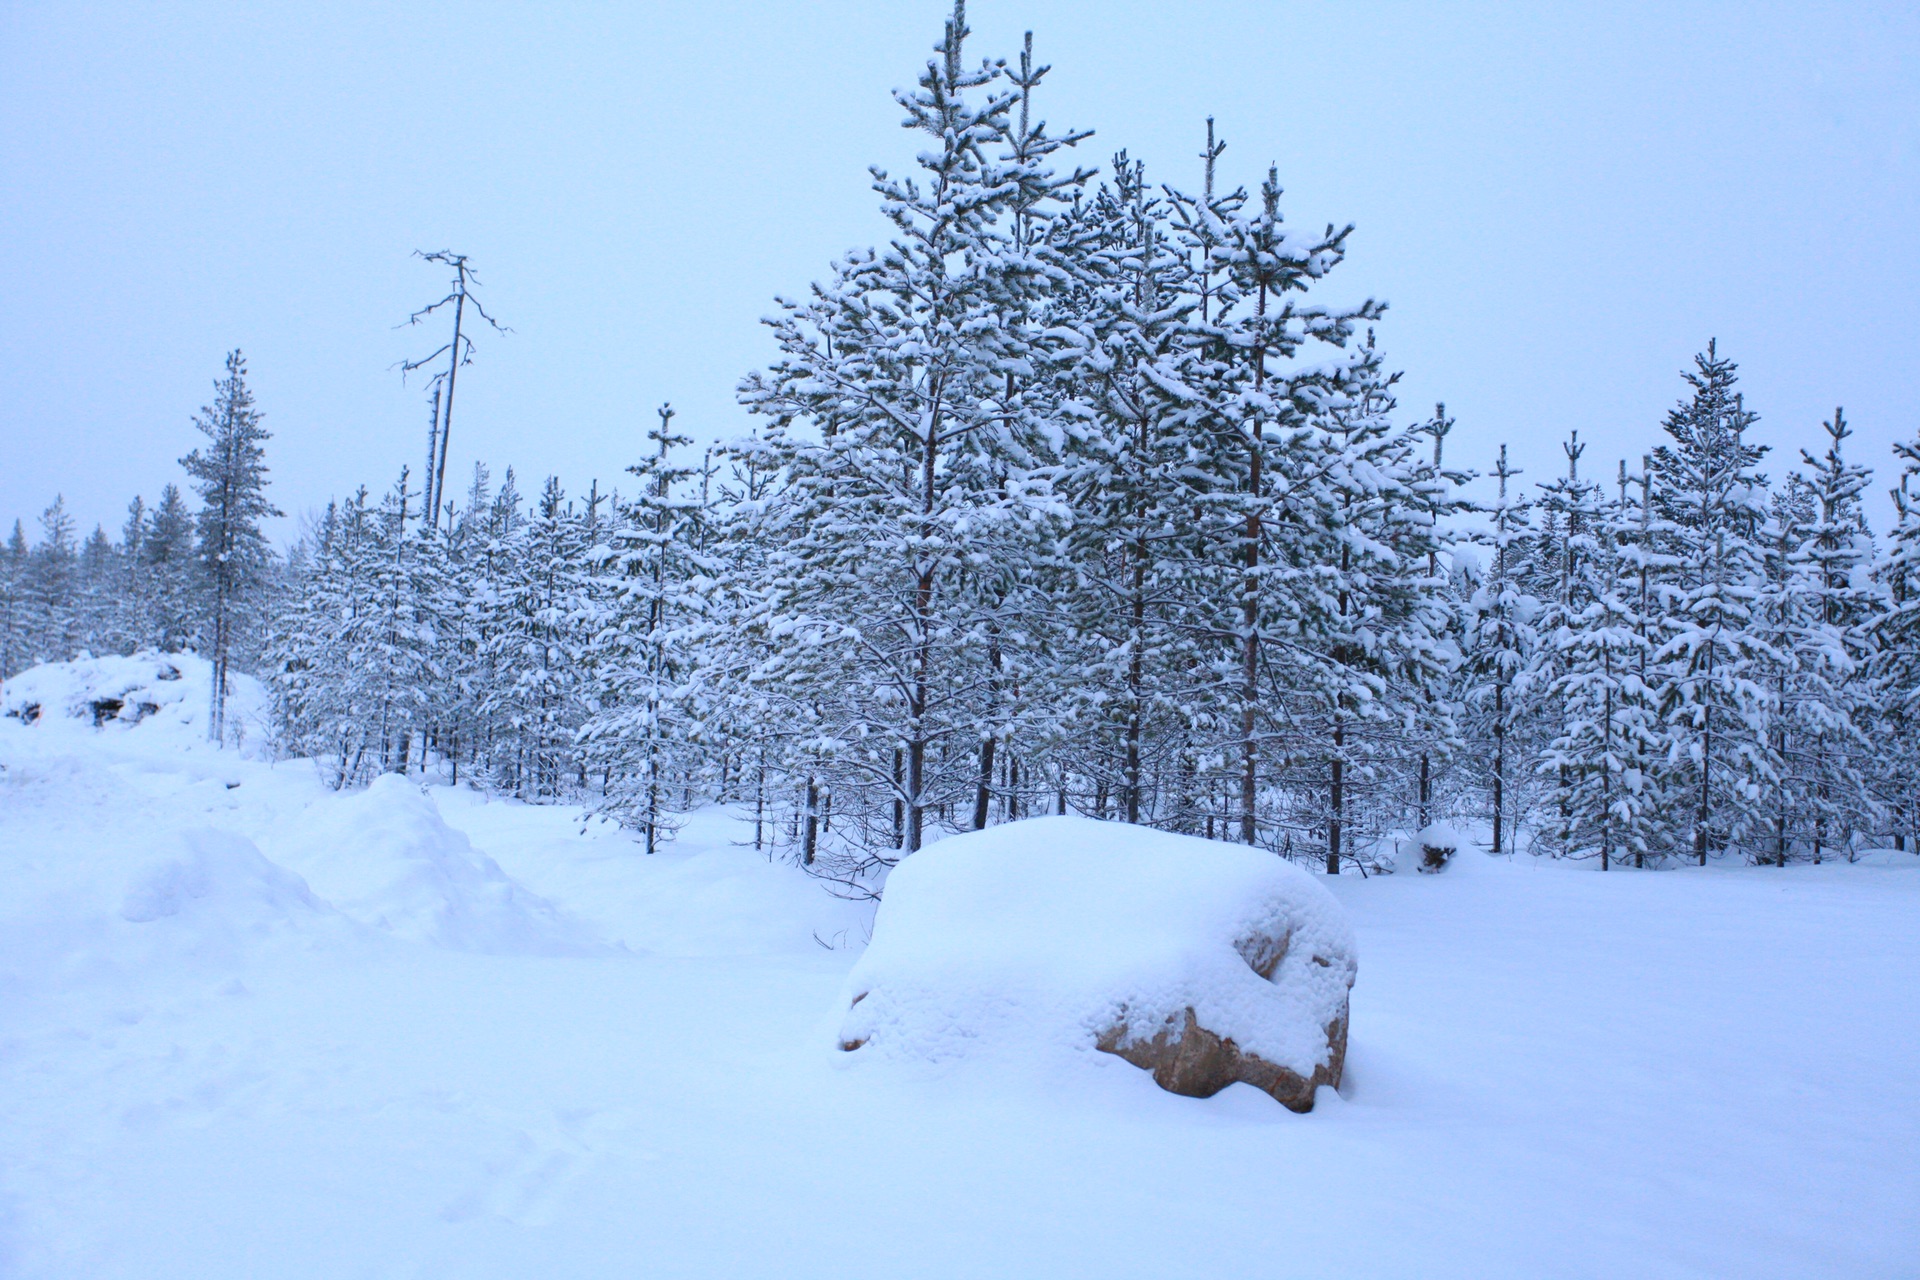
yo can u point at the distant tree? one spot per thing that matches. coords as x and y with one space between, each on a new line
231 478
16 635
52 589
99 610
459 353
173 576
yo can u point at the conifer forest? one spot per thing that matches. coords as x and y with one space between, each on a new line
1087 492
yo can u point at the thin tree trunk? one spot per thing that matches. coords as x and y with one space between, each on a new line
1499 762
1337 799
983 790
813 820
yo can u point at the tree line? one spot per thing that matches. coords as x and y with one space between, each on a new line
1076 497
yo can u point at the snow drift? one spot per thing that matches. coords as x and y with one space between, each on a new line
1070 934
215 872
385 857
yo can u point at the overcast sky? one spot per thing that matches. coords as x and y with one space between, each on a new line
1561 203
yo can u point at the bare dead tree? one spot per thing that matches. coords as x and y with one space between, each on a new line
459 352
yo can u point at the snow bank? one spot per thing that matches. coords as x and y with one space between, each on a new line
385 857
216 873
1046 934
164 695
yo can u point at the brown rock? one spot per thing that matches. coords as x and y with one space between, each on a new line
1188 1059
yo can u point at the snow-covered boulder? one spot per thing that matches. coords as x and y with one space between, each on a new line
1204 963
164 695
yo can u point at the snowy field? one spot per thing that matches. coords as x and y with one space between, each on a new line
252 1028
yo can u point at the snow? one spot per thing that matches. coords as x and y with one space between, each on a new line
388 859
1041 935
215 1062
1410 855
120 693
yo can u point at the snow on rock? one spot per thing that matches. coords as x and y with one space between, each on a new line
1201 961
162 694
386 858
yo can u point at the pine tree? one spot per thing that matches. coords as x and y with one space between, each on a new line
173 573
907 464
1710 657
650 734
1562 574
1826 651
98 609
1502 648
1893 673
16 610
1608 739
1128 361
53 587
231 479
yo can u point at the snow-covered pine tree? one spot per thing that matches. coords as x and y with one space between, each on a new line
1275 440
234 555
1362 629
135 588
1893 673
1127 658
53 587
173 574
299 655
16 612
533 645
1710 657
98 606
1828 707
1608 735
649 739
908 484
1561 574
1502 647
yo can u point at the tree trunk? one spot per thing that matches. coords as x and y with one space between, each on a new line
813 821
983 790
1337 799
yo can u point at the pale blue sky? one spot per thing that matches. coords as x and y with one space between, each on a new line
1560 202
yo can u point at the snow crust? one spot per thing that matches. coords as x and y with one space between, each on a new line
1038 936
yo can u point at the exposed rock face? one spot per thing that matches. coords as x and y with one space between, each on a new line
1187 1059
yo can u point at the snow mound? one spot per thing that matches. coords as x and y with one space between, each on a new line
162 694
385 857
211 872
1043 935
1407 855
1436 847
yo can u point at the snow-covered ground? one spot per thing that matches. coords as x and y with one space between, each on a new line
249 1027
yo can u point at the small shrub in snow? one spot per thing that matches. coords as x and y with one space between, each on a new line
1435 848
